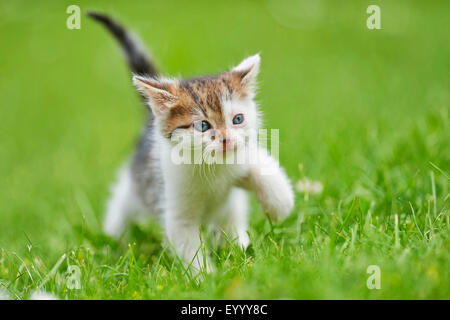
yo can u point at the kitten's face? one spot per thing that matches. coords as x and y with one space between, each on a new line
215 113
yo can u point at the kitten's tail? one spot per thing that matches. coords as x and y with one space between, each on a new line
138 59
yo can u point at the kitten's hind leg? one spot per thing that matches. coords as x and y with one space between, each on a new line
121 205
236 222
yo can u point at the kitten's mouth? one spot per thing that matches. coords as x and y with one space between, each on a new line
228 147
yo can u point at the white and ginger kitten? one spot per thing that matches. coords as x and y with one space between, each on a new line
220 111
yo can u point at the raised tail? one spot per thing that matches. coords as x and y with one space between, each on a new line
138 59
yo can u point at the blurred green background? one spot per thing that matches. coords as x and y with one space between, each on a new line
366 112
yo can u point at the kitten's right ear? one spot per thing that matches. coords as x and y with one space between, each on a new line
158 92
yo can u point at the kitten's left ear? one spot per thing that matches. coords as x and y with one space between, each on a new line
246 73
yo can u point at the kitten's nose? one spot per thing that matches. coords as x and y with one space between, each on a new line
223 135
225 139
226 144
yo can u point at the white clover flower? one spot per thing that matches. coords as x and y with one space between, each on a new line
309 186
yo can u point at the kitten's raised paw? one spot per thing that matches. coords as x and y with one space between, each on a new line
281 206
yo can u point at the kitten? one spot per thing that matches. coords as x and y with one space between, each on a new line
220 112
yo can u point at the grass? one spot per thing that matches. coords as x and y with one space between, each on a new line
366 112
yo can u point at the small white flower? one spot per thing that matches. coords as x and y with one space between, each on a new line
309 186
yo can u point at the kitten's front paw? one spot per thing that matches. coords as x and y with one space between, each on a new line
281 202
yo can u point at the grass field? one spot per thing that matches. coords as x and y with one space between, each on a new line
365 112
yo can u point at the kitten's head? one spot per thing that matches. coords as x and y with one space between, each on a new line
218 109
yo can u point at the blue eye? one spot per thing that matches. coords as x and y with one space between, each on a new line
202 126
238 119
